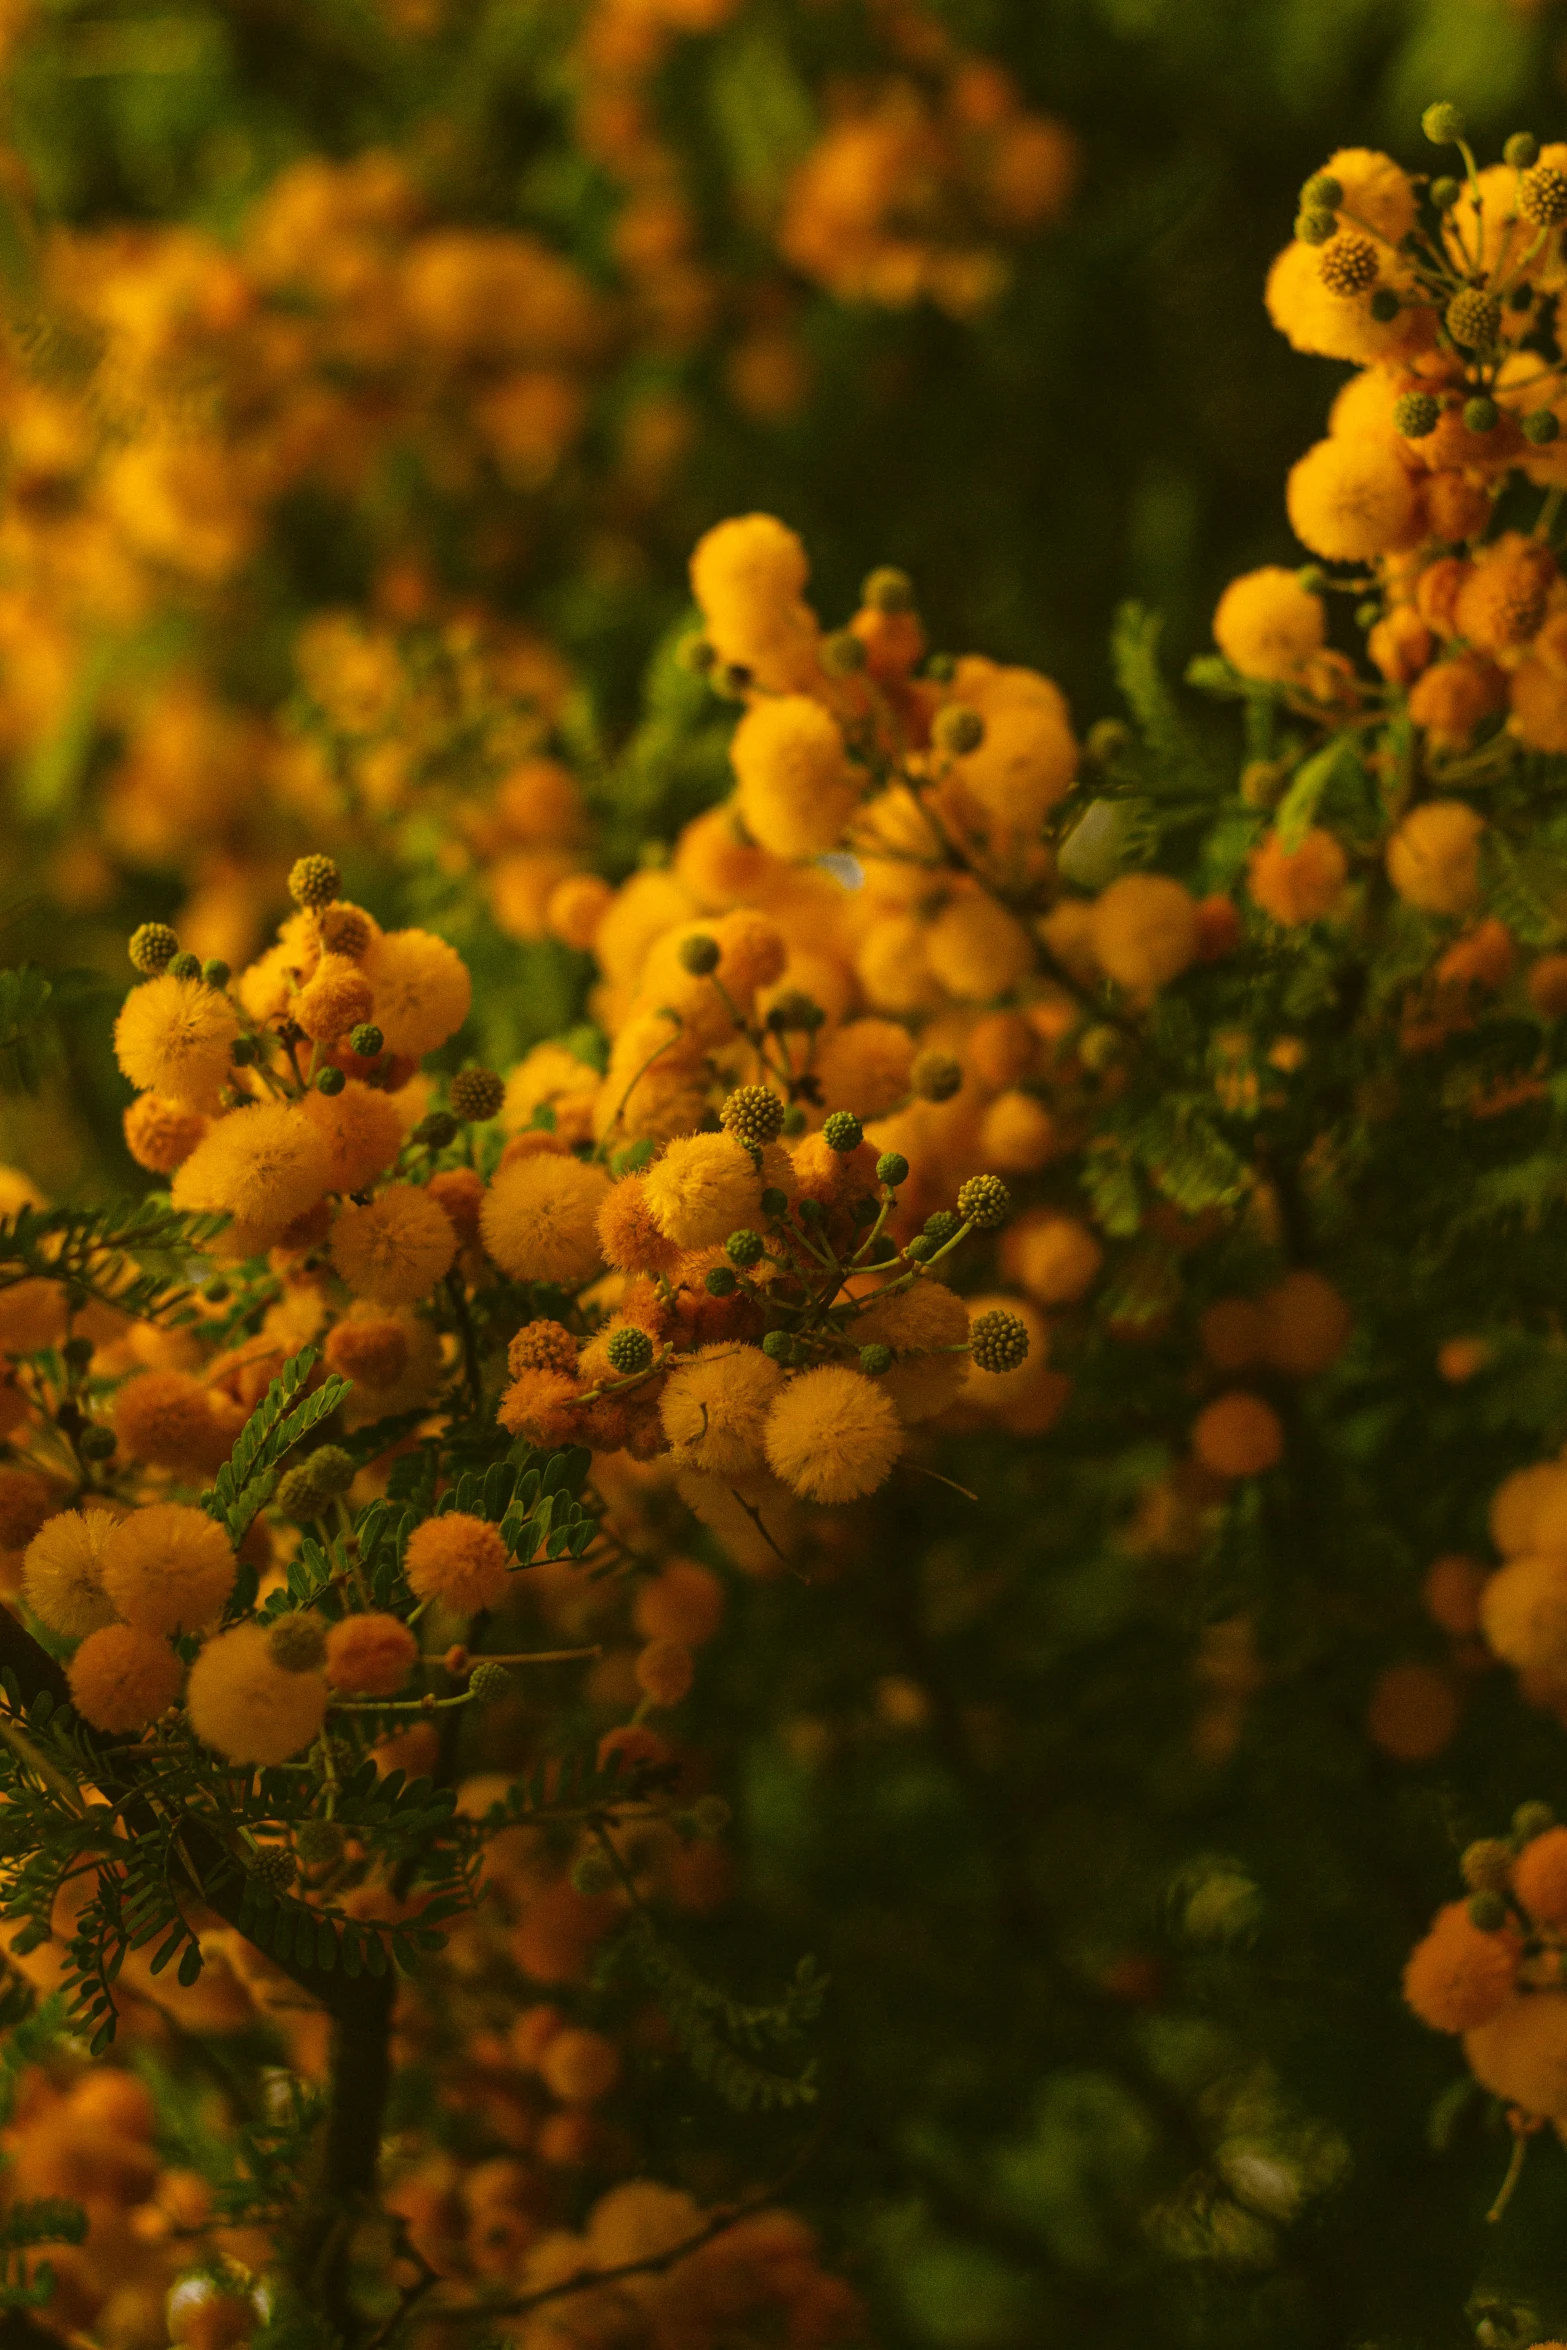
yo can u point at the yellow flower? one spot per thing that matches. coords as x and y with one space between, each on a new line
122 1678
168 1568
714 1409
173 1036
422 990
459 1560
362 1129
62 1573
1268 624
539 1220
833 1434
264 1164
394 1250
796 786
703 1188
249 1707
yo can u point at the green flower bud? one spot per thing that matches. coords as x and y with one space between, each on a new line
1488 1911
794 1120
892 1168
630 1352
366 1040
436 1130
1531 1820
330 1080
152 948
1415 414
1481 415
244 1052
1385 305
1445 192
888 590
274 1868
753 1114
1541 427
1316 226
985 1202
476 1095
592 1873
1442 123
699 955
314 882
487 1683
1473 319
745 1246
96 1444
1522 149
874 1360
843 1132
998 1341
297 1644
215 971
942 1225
958 730
1487 1865
842 653
318 1843
185 967
720 1282
1322 192
775 1203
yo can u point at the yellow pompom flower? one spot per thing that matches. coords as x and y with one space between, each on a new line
122 1678
833 1434
920 1325
1433 859
1351 499
174 1036
866 1067
703 1188
165 1419
976 949
160 1133
539 1220
796 788
167 1568
421 987
395 1249
362 1129
370 1655
1028 756
1145 931
459 1560
62 1573
714 1409
264 1165
246 1705
335 998
748 575
1268 625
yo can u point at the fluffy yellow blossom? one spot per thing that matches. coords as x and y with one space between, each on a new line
362 1129
247 1706
370 1655
122 1678
539 1220
264 1165
1350 500
796 788
335 998
459 1560
161 1133
174 1036
748 575
832 1434
421 987
921 1324
168 1568
714 1409
1433 859
1268 625
1145 931
395 1248
704 1187
62 1572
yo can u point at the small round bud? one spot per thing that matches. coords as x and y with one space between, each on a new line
1100 1048
875 1360
942 1225
1415 414
695 653
720 1282
775 1203
152 947
185 966
330 1080
1264 782
888 590
1314 225
745 1247
812 1213
941 668
731 679
985 1202
216 1292
1542 427
1445 192
366 1040
795 1010
892 1168
1521 150
215 971
793 1121
1367 615
297 1644
1542 196
476 1095
1473 318
1349 264
96 1444
592 1873
920 1249
1442 123
298 1495
1487 1865
1487 1911
842 1131
244 1052
1108 739
842 653
778 1346
273 1868
753 1115
1322 192
699 955
1385 305
936 1077
318 1843
998 1341
864 1210
957 730
488 1682
436 1130
1481 414
1531 1820
1312 578
78 1352
630 1352
710 1815
333 1469
314 882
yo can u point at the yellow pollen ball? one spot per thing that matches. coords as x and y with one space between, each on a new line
122 1678
714 1409
173 1037
1433 859
1268 625
1302 884
921 1325
540 1216
165 1419
703 1188
833 1434
1145 931
1238 1436
459 1560
160 1133
977 950
336 997
1056 1259
370 1656
394 1250
168 1568
362 1130
62 1573
665 1670
421 987
865 1067
796 788
1350 500
246 1706
263 1166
